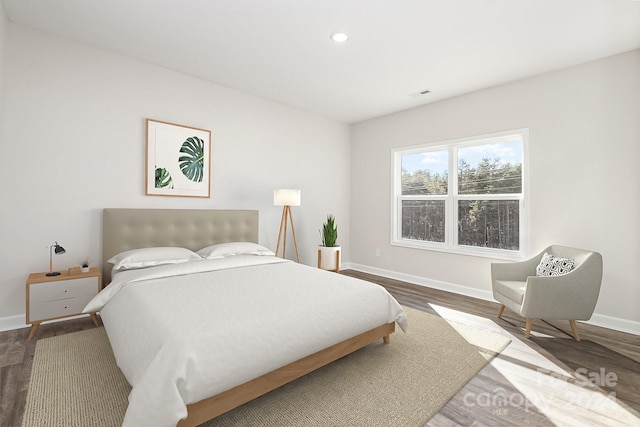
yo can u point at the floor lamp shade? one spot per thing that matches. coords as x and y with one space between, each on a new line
286 197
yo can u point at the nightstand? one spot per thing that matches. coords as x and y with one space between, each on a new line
55 297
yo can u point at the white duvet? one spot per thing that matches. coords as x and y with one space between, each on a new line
184 332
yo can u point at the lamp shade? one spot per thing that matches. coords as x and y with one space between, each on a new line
286 197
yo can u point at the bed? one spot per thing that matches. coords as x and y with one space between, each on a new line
231 321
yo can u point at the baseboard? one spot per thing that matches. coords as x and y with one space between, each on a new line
602 320
8 323
423 281
616 323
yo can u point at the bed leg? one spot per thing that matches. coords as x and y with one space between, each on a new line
386 339
95 319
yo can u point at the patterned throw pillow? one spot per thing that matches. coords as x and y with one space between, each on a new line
552 266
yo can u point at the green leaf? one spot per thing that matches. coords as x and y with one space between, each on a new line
192 163
163 178
329 233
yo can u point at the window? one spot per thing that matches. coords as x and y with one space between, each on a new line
477 207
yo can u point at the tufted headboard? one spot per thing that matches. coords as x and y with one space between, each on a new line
125 229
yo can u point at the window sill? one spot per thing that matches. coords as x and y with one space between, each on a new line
462 250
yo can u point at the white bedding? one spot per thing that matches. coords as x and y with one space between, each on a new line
185 332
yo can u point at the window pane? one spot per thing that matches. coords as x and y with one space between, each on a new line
423 220
489 223
490 168
425 173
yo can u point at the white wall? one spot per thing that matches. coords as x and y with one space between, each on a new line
74 143
3 36
584 127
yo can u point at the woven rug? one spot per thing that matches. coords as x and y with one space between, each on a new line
75 381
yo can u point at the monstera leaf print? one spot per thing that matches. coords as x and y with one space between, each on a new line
163 178
192 163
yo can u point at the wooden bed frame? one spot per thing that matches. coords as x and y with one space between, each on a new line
125 229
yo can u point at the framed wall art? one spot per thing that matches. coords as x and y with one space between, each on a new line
178 160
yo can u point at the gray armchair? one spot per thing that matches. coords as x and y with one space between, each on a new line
570 296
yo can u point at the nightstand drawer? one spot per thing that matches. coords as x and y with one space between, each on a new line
58 308
85 286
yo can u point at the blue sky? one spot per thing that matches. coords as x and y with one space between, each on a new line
437 161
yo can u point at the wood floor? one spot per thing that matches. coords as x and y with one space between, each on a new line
547 380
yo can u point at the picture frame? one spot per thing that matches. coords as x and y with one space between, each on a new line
178 160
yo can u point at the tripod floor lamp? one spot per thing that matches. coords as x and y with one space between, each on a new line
286 198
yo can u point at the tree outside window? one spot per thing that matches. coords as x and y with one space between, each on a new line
474 207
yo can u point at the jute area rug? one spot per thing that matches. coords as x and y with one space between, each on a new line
75 381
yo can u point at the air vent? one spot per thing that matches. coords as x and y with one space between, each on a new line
419 94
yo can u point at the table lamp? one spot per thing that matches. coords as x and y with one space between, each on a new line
59 250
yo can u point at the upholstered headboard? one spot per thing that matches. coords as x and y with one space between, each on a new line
125 229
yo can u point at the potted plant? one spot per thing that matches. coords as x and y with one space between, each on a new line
85 266
329 251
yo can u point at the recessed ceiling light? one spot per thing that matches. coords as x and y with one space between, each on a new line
339 36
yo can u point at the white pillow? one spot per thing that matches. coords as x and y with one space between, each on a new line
553 266
149 257
222 250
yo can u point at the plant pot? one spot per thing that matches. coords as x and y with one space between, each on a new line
84 269
329 258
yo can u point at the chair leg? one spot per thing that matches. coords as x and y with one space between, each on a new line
574 329
501 310
527 329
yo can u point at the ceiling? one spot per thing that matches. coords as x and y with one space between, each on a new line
280 49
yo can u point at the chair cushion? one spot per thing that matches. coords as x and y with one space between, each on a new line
554 266
511 289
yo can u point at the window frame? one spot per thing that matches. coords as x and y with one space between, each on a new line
452 197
